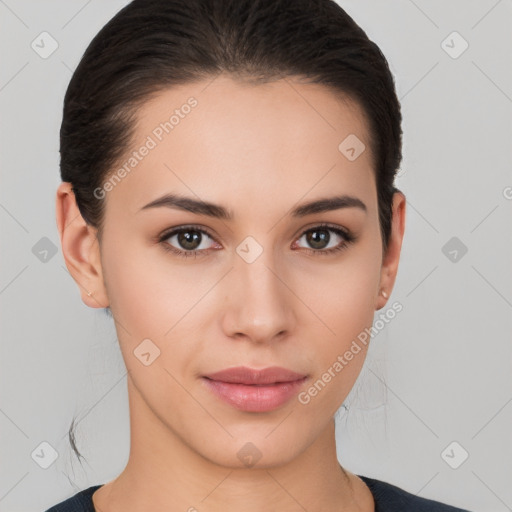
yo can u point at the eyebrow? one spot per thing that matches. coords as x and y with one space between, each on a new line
217 211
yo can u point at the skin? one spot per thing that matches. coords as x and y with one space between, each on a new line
258 150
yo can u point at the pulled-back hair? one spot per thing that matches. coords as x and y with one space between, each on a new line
151 45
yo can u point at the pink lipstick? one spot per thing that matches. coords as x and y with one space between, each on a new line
253 390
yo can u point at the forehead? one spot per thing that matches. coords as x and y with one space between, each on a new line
236 142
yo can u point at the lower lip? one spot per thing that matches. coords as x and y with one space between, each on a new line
252 398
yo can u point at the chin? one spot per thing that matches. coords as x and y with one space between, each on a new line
252 449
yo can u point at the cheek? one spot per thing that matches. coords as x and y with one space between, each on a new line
345 303
153 298
352 306
342 297
155 302
149 294
339 353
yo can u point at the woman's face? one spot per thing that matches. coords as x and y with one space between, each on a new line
264 288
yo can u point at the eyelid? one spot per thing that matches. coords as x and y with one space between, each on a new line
346 234
183 227
192 227
319 225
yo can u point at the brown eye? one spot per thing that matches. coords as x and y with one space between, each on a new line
318 238
187 241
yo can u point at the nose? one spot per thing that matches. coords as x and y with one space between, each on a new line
260 304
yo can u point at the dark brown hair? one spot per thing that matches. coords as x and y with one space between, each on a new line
150 45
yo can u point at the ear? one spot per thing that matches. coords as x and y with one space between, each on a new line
80 248
391 258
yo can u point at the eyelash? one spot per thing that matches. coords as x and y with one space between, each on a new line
347 235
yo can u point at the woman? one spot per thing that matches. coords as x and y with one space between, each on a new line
228 194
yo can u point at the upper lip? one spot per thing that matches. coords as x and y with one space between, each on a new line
245 375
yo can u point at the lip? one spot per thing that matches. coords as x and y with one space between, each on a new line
254 390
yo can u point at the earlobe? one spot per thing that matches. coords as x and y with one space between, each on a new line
391 258
80 248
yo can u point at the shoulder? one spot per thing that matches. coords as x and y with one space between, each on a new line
80 502
390 498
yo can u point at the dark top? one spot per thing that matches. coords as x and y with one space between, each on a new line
387 497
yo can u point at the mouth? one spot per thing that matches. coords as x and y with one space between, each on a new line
252 390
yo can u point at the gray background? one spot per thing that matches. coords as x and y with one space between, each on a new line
439 372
